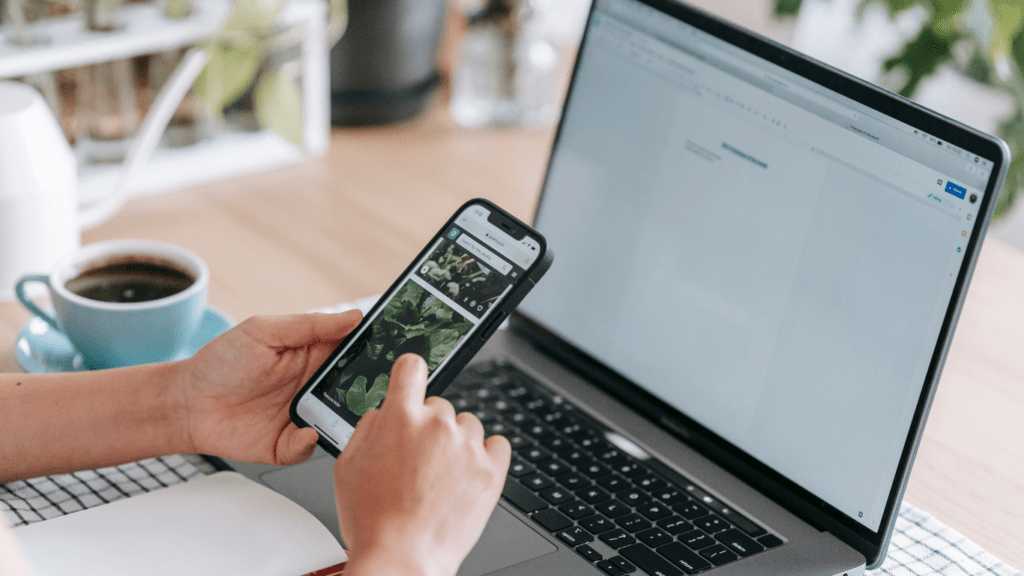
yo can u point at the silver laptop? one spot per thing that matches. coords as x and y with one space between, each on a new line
761 262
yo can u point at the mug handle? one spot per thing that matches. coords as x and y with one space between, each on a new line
19 291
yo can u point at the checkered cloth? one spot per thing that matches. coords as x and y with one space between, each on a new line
921 545
27 501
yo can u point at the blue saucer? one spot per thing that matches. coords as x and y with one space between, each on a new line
40 348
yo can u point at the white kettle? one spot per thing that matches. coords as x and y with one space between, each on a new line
40 215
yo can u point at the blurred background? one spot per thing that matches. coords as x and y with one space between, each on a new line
154 96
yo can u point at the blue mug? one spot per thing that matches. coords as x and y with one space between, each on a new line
116 334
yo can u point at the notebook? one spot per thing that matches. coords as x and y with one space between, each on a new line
213 525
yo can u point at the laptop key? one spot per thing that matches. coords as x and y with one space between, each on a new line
554 468
653 537
518 468
718 554
696 539
597 524
680 556
770 541
608 568
740 521
633 522
576 510
613 483
522 498
650 483
498 427
593 495
633 497
535 454
617 538
619 561
575 536
739 543
654 510
648 561
517 441
557 496
556 443
577 458
630 469
537 482
589 553
551 519
670 496
691 510
595 470
675 525
613 508
574 480
711 524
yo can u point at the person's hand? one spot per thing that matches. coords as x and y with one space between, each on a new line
237 389
416 484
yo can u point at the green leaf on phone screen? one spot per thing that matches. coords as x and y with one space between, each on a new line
359 400
376 394
355 398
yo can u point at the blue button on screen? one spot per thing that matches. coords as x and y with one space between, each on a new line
958 191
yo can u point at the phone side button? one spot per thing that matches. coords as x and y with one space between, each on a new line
495 322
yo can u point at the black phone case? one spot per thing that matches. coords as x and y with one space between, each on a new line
477 338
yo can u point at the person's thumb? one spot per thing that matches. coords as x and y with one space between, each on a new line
301 330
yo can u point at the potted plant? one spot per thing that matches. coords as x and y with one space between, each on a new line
254 55
982 40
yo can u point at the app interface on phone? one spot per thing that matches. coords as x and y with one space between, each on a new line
465 272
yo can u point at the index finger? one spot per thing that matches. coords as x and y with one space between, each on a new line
407 386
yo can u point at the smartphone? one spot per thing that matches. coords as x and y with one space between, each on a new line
444 307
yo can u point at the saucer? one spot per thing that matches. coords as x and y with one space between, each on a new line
39 348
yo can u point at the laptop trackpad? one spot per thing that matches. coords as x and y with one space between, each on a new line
506 539
505 542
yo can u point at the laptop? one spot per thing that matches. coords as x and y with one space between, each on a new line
761 262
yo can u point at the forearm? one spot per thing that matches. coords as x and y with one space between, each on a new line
54 423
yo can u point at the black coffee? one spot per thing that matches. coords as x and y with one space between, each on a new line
132 281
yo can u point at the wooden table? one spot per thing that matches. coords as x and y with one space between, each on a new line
344 226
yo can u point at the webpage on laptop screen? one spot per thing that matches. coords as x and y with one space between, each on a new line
778 271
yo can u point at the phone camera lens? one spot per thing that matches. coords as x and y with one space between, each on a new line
974 198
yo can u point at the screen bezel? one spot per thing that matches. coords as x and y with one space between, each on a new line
793 497
537 266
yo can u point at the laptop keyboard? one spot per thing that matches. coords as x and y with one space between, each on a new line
616 511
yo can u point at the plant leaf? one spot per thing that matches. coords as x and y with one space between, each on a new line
253 16
922 56
229 72
337 20
377 392
355 398
278 104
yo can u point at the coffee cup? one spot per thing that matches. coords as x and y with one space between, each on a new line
124 302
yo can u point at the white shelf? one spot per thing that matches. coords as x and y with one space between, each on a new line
68 43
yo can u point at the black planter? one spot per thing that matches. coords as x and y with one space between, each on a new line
384 69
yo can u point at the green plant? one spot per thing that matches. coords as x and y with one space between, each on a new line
983 39
414 321
236 64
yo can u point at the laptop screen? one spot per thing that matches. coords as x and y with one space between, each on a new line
773 260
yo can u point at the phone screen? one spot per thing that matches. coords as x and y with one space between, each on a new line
471 266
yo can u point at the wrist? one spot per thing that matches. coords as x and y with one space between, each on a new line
177 405
393 563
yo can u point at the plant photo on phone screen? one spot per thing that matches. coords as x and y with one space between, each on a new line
413 321
458 274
